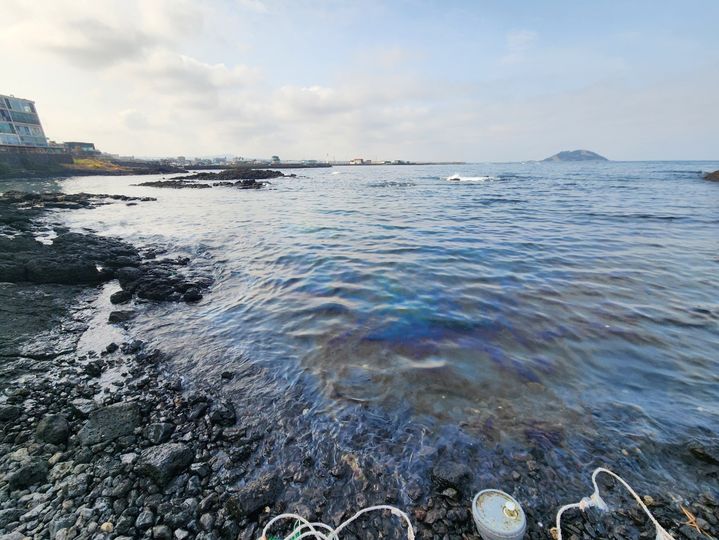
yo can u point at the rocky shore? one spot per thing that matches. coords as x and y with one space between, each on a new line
712 176
237 174
240 178
76 259
112 443
178 183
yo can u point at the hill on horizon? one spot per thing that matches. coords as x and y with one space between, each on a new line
576 155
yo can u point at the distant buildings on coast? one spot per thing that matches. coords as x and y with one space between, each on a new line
22 134
21 131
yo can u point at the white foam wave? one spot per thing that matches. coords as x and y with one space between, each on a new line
457 178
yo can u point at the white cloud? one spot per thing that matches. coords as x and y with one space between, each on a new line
154 78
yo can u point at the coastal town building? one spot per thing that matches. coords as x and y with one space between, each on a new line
81 148
19 123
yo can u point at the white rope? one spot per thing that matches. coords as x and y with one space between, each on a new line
595 500
331 534
321 531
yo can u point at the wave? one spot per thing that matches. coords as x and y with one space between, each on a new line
457 178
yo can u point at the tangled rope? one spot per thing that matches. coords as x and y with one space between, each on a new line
307 529
595 500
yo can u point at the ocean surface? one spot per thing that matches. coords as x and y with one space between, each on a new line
579 298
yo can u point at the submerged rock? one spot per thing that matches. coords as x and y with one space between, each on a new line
706 453
450 474
223 413
110 423
163 462
254 496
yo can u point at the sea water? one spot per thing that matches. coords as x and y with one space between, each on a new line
580 295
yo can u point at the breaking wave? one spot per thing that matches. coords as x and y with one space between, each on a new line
457 178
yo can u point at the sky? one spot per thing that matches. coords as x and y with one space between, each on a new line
504 80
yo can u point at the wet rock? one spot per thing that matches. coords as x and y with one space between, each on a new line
223 414
192 294
198 410
178 183
133 347
158 432
30 473
9 515
120 297
254 496
53 429
62 270
706 453
155 290
121 316
83 407
127 274
8 413
111 348
109 423
238 173
145 520
450 474
712 176
163 462
94 369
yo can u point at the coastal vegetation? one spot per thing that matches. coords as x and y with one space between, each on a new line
42 165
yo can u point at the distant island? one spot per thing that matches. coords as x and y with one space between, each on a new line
576 155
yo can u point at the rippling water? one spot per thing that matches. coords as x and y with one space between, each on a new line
581 294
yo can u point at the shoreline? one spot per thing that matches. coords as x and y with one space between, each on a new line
225 463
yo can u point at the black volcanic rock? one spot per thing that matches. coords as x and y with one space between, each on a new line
576 155
53 429
235 174
165 461
175 183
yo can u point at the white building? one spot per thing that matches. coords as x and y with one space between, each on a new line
19 123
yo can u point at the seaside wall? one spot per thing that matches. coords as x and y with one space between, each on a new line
18 160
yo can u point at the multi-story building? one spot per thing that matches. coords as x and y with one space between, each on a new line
19 123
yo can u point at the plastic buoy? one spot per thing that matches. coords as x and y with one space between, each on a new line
498 516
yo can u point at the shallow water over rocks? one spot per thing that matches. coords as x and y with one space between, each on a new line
560 308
